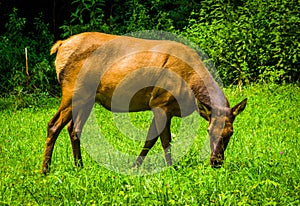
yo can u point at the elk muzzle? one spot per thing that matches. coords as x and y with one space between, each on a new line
216 160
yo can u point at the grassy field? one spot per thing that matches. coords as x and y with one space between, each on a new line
262 165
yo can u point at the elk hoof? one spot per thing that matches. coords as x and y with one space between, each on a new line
44 171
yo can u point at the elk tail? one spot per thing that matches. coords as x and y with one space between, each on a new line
59 67
55 47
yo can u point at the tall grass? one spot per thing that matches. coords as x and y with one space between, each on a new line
262 164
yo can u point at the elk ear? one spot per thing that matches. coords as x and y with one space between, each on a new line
204 110
237 109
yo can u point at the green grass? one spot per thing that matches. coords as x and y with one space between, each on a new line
262 165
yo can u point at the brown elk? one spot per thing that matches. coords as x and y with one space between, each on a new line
126 74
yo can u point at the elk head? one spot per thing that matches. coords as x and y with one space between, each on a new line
220 128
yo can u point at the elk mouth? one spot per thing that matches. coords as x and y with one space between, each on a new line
216 161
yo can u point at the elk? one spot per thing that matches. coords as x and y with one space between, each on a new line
127 74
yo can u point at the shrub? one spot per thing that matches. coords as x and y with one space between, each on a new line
121 17
87 16
249 41
13 77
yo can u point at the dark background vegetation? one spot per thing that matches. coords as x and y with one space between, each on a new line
249 40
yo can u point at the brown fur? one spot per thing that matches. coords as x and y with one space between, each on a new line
172 79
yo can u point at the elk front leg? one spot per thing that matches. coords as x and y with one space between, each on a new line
160 125
165 138
151 139
81 112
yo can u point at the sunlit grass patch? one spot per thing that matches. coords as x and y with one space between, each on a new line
261 162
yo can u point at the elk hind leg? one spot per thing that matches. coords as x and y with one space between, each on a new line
75 142
55 125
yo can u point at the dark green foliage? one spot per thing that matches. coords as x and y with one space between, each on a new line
88 16
13 76
249 41
121 16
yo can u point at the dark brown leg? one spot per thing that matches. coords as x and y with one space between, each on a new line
151 139
56 124
165 138
160 126
81 112
75 142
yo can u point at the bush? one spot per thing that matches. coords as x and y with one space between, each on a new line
121 17
247 40
88 16
250 41
13 77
